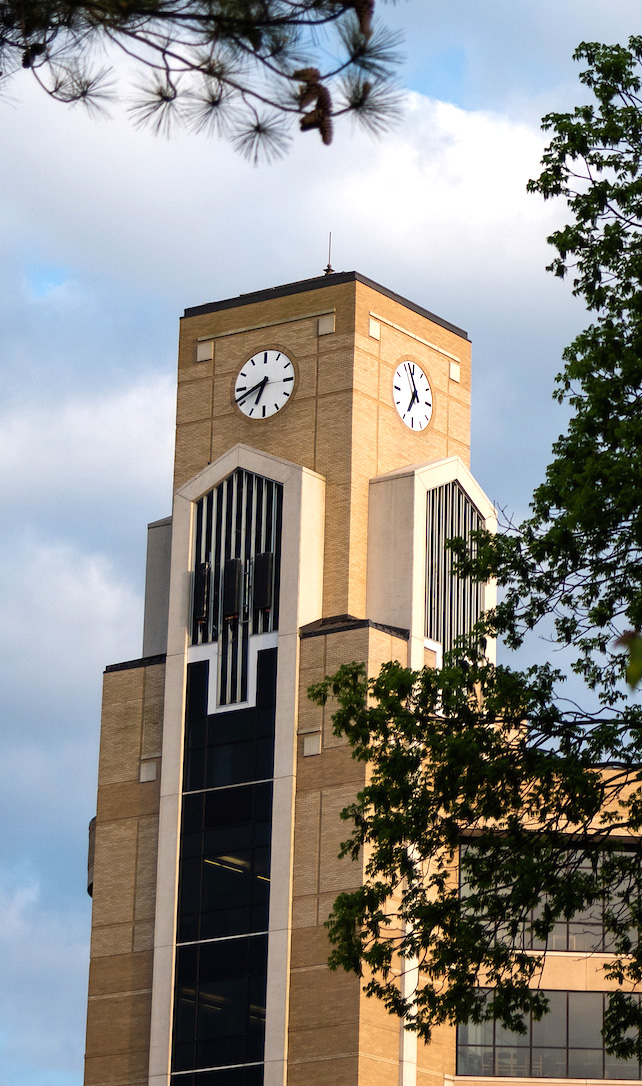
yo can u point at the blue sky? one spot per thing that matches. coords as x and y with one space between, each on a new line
106 234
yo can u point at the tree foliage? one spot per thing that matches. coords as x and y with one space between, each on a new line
488 769
246 69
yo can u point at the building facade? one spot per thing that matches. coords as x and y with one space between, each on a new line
322 460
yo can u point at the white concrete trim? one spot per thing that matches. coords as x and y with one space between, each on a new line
302 547
267 324
411 335
435 473
438 649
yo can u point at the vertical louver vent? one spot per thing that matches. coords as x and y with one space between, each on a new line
236 572
201 592
263 580
453 604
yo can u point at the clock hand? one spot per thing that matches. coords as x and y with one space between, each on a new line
414 398
249 391
263 384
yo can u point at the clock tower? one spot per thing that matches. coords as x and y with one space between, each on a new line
322 461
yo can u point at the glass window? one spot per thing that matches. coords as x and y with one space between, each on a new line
565 1043
512 1062
589 929
585 1011
225 869
220 1003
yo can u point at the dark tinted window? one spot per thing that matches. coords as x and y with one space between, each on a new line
220 1004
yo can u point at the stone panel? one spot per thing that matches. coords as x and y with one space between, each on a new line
118 1023
338 1070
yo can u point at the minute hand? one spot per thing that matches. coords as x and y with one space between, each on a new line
414 398
249 391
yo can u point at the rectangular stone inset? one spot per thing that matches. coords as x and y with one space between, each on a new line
374 329
326 324
204 350
455 371
311 744
148 772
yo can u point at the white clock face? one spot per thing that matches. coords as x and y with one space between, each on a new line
264 384
412 395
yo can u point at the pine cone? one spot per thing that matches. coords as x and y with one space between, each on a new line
315 91
318 118
364 10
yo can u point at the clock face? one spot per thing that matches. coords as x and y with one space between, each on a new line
412 395
264 384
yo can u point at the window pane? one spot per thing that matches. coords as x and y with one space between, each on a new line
558 936
475 1061
549 1063
585 937
505 1036
550 1031
222 1008
512 1062
590 914
621 1068
476 1033
585 1019
585 1063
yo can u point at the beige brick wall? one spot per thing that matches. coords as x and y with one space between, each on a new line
120 977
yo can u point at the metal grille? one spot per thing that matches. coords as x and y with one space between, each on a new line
453 604
236 522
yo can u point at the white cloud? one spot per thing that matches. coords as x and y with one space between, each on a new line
448 193
63 615
189 216
87 448
42 985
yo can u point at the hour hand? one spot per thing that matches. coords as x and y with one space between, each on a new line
249 391
263 384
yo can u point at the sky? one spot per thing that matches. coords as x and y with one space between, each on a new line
106 234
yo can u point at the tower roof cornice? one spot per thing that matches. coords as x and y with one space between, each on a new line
320 282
